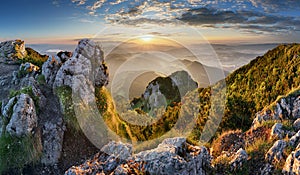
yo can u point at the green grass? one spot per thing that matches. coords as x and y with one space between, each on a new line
41 79
64 94
16 153
26 90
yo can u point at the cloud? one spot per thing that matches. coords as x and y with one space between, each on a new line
256 22
98 4
117 2
86 21
79 2
256 16
276 5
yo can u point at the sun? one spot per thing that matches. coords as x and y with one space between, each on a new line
147 38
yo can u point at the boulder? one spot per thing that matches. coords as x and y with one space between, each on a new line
24 119
28 67
275 153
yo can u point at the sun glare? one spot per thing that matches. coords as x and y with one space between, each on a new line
147 38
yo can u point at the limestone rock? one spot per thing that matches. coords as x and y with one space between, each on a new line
261 117
275 153
24 118
103 162
118 149
296 124
172 156
292 164
167 159
84 70
277 131
296 108
52 65
52 142
12 49
293 141
267 169
238 159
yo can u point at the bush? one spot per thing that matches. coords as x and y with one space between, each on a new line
16 152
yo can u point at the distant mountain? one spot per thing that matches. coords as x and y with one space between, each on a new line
165 91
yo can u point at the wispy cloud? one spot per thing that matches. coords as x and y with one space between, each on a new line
79 2
98 4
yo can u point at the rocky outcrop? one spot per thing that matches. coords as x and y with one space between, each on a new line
277 131
292 164
294 140
275 153
12 49
84 70
86 64
296 124
285 108
23 119
239 158
52 65
172 156
111 156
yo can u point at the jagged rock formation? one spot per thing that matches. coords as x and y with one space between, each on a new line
12 49
52 65
284 108
84 70
172 156
86 64
292 164
275 153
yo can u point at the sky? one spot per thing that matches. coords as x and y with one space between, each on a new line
218 21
